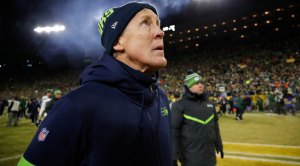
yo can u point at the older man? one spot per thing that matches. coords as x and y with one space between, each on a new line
119 115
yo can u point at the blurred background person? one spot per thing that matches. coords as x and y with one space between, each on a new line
13 110
43 102
3 104
57 94
33 110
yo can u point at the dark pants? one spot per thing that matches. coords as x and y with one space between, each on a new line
223 109
12 115
279 108
1 110
239 113
21 113
33 117
289 107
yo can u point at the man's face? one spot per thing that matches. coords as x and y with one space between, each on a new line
58 96
142 41
49 94
197 88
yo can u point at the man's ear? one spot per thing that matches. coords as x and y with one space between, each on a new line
118 46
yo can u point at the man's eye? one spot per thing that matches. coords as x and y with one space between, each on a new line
146 22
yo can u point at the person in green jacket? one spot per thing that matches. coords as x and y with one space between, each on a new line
239 105
271 98
260 103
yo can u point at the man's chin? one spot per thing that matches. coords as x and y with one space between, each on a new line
199 93
162 63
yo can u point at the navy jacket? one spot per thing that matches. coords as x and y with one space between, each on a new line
117 117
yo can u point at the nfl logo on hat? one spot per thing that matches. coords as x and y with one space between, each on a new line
43 134
114 25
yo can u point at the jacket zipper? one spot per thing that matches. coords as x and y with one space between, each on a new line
154 139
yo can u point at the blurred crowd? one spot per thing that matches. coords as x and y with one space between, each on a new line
260 71
34 85
35 109
263 71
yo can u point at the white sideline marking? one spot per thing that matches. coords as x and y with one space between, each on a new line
262 155
10 158
266 114
260 159
269 145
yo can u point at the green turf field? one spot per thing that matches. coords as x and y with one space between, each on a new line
259 139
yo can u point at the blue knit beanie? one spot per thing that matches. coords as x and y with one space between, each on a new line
115 20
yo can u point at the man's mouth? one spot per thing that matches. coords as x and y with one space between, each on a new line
160 48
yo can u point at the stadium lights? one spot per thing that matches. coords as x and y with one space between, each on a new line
49 29
171 27
3 65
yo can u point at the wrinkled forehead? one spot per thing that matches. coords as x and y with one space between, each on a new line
147 14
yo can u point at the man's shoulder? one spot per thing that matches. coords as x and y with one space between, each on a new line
180 102
91 92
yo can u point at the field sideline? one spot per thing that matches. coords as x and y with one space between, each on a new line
260 139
